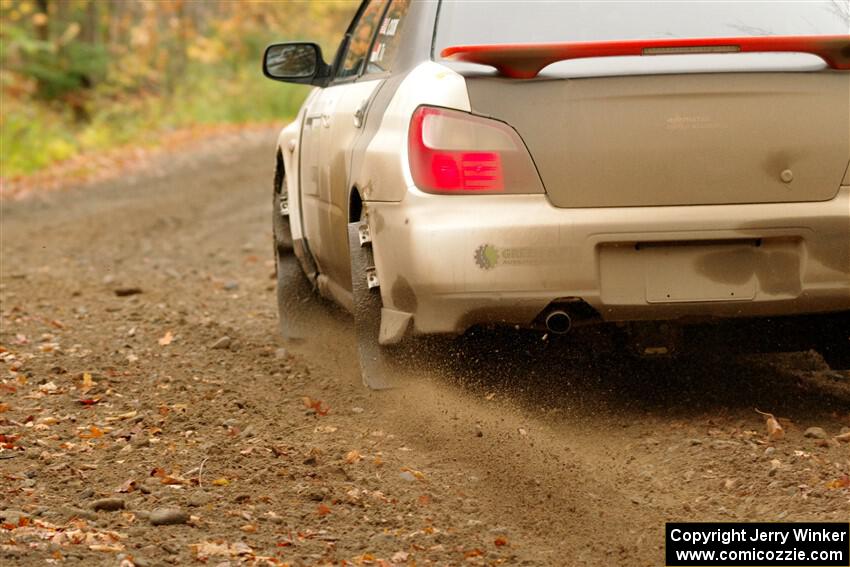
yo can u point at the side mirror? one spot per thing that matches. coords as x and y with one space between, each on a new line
295 62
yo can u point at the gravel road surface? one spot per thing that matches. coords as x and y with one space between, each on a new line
151 415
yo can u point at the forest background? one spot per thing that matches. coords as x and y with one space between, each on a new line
82 76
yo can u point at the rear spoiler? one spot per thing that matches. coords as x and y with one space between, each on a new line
525 60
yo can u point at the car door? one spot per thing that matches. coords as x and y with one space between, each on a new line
328 135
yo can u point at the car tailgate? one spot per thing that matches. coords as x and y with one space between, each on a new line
718 138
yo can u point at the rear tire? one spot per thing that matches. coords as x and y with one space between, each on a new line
294 290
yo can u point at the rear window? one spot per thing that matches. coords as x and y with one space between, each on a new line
462 22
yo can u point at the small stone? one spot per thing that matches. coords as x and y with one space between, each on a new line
407 475
127 291
79 513
167 516
231 285
87 493
694 442
11 516
815 433
170 547
775 465
769 451
108 504
222 343
280 353
198 499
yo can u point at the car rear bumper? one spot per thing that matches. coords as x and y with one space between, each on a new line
457 261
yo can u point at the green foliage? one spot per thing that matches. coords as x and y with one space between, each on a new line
89 75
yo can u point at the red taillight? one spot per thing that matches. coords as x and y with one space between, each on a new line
456 152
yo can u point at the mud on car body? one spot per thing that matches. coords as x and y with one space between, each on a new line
653 169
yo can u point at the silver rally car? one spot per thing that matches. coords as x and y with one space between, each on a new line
649 167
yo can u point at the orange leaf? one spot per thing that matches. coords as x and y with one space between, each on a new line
94 433
220 482
500 541
842 482
166 339
317 405
323 510
166 478
473 553
424 500
4 407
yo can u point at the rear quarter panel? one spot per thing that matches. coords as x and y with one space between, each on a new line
384 174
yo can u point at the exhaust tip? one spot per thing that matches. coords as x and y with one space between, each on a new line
558 322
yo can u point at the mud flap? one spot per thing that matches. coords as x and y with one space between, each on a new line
376 367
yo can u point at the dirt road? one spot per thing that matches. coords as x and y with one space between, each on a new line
144 382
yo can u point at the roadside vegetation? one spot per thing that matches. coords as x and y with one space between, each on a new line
81 76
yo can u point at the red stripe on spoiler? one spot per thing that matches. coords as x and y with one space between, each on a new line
525 60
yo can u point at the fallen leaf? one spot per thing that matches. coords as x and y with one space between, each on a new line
317 405
93 433
166 478
89 401
500 541
352 457
323 510
4 407
424 500
473 553
88 383
122 416
419 475
221 482
774 430
249 528
110 548
166 339
841 482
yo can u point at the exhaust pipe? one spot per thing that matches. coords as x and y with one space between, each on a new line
558 322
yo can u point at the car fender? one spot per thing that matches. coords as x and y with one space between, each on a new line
289 146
